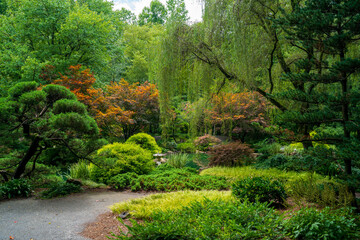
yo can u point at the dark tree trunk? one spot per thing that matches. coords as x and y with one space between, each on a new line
29 154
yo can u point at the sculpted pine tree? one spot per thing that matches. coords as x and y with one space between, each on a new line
42 118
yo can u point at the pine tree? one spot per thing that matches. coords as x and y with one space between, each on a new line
325 88
42 118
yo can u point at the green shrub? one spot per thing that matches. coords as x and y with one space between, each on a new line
145 141
187 147
120 158
178 179
80 170
231 154
323 193
210 220
60 189
204 143
268 148
98 174
259 189
15 188
309 223
144 207
121 181
178 160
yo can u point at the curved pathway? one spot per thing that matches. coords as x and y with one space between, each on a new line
60 218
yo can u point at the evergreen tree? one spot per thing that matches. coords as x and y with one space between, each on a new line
325 85
41 119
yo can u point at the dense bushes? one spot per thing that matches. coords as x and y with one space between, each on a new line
170 179
15 188
307 161
61 189
312 224
145 141
259 189
120 158
218 219
323 193
231 154
122 181
210 220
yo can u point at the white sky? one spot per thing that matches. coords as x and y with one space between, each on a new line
194 7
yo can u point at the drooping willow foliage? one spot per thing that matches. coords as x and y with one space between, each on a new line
236 42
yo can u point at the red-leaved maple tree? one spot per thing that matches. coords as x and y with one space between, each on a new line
236 113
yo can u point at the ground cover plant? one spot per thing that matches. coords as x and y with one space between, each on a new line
210 219
259 189
60 190
168 178
310 223
15 188
145 207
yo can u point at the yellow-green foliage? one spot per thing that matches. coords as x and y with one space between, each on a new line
248 171
145 141
119 158
144 207
80 170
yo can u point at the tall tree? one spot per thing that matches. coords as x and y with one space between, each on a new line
325 30
156 14
176 11
59 33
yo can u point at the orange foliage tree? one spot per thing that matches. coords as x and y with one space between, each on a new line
237 113
127 108
121 109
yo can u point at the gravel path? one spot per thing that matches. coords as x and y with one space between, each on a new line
60 218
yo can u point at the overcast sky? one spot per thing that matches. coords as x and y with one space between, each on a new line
136 6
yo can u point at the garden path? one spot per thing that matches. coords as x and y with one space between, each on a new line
61 218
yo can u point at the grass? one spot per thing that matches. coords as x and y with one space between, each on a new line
178 160
144 207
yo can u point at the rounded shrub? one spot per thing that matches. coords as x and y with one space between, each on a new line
259 189
145 141
120 158
231 154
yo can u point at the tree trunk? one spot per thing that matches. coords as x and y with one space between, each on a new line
29 154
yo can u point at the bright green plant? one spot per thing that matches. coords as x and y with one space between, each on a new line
145 141
15 188
177 179
120 158
80 170
312 224
178 160
146 206
121 181
259 189
187 147
60 189
210 219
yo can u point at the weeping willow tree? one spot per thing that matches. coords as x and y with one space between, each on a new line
236 42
